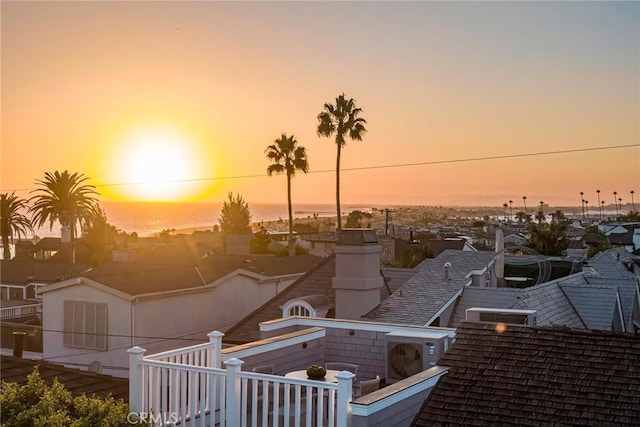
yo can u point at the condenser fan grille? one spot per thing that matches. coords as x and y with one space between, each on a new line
404 360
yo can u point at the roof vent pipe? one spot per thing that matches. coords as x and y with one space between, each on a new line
447 265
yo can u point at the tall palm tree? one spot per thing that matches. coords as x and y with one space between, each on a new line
65 198
599 205
287 156
524 201
342 120
12 221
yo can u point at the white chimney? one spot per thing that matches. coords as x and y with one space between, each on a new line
357 281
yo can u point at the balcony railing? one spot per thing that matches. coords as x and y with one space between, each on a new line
15 312
189 387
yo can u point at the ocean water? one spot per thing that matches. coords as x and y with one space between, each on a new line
147 218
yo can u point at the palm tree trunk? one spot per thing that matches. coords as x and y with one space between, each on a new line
292 247
5 247
339 219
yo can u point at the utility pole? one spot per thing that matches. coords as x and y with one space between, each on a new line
387 218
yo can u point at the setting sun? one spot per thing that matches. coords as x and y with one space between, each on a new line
157 165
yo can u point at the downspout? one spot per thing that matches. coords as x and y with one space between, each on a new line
133 301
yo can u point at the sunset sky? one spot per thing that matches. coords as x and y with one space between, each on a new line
158 92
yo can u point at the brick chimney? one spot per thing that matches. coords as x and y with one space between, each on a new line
357 281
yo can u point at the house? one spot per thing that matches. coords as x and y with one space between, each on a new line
428 297
520 375
626 235
603 296
346 308
20 305
161 300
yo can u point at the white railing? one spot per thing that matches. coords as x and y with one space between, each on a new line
205 354
176 393
19 311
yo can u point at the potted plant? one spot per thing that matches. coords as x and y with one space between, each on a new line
316 372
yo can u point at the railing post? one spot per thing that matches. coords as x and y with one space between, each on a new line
345 390
215 352
233 366
136 354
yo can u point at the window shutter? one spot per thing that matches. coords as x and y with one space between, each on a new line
68 323
101 327
85 325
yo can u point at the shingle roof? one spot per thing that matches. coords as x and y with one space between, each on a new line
317 281
150 275
536 376
21 272
76 381
418 300
482 297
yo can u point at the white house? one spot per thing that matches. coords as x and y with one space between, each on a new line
98 315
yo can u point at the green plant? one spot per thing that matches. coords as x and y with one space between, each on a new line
316 372
235 217
38 405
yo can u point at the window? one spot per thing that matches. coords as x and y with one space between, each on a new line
307 306
85 325
298 310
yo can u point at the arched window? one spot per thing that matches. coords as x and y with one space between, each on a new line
308 306
298 310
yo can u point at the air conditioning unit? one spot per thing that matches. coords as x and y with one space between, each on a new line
501 315
409 353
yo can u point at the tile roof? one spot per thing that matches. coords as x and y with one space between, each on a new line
317 281
578 301
552 305
152 275
76 381
628 291
418 300
595 305
536 376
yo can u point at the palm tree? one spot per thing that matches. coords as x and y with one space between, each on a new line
615 201
524 201
633 205
511 209
599 205
288 157
341 119
505 211
64 197
12 221
549 239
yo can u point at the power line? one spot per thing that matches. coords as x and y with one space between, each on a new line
359 168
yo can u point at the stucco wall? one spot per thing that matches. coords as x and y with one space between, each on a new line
118 328
191 315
